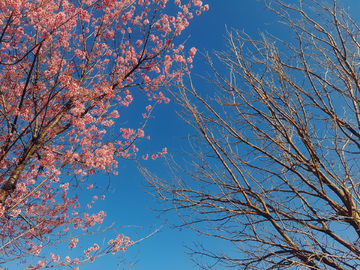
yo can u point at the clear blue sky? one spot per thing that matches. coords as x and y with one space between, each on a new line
129 204
164 250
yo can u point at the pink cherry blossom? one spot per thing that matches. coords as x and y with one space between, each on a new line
192 51
67 68
73 243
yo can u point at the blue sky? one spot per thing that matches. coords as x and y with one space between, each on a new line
130 204
165 249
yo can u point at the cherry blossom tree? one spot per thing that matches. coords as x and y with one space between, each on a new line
67 67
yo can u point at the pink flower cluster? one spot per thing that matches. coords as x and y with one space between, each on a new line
91 249
73 243
120 243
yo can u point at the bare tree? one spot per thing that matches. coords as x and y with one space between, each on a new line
276 170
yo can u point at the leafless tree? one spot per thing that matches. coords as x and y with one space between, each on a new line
276 170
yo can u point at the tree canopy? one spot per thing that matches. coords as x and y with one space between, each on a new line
66 69
275 168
